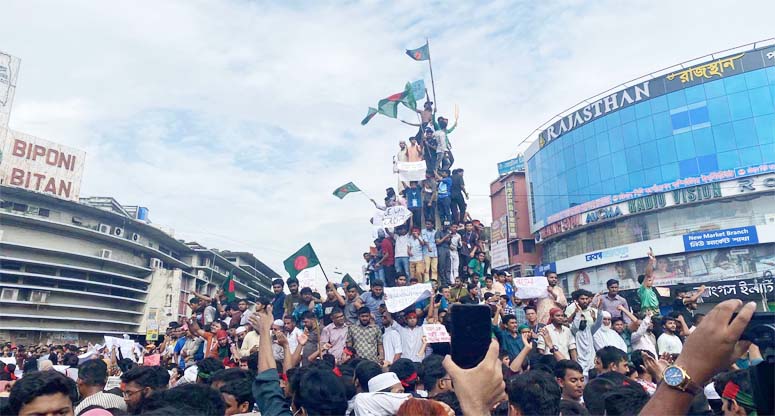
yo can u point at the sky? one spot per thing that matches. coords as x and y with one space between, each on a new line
233 121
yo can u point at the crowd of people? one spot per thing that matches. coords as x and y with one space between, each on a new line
344 353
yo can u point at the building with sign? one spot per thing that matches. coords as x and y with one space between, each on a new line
681 161
78 270
512 245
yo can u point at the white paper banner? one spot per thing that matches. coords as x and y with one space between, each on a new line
530 287
435 333
411 171
400 298
395 216
126 346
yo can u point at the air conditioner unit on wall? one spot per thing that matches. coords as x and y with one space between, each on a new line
156 263
104 228
38 296
106 254
135 237
118 231
9 294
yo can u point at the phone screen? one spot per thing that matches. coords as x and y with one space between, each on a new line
471 334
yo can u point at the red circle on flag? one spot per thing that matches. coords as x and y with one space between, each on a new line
417 55
300 263
343 189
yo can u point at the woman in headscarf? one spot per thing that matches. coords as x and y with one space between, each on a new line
606 336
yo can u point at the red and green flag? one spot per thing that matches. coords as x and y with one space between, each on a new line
301 260
229 289
370 115
345 189
423 53
389 106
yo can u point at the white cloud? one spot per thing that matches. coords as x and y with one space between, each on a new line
234 121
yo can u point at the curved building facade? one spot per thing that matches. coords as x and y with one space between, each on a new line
78 270
682 162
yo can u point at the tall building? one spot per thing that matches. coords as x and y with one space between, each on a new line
512 244
682 162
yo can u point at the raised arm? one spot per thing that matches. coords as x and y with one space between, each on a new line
516 363
651 263
697 294
634 321
194 327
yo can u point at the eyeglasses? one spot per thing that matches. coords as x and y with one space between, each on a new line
129 393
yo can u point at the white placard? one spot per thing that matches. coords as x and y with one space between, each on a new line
9 72
411 171
530 287
395 216
435 333
126 346
400 298
499 253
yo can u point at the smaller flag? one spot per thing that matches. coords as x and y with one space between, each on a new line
345 189
422 53
418 89
372 112
351 283
228 288
300 260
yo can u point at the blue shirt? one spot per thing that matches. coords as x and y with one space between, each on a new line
413 197
429 249
445 187
417 249
278 308
177 349
509 292
509 344
303 307
425 302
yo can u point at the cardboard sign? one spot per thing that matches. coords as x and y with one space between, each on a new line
400 298
530 287
435 333
126 346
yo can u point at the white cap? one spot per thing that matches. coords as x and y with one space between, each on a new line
278 322
241 330
383 381
710 392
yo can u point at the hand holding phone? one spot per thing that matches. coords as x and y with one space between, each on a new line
471 334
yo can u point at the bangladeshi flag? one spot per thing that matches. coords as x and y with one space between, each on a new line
389 106
345 189
422 53
372 112
228 288
300 260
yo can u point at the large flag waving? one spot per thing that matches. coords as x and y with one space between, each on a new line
422 53
228 288
300 260
389 106
345 189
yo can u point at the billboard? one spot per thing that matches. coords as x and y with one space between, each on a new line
39 165
512 165
9 72
499 251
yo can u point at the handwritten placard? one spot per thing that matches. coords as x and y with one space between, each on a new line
400 298
151 360
530 287
435 333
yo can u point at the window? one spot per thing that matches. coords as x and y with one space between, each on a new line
43 212
19 207
6 204
514 249
529 246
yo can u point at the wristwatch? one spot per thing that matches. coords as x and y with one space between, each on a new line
554 349
676 377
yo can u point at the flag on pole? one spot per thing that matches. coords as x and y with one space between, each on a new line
300 260
372 112
389 106
418 89
351 283
228 288
422 53
345 189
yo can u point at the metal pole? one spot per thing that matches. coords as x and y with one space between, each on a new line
433 85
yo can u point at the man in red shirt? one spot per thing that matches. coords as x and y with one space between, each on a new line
386 264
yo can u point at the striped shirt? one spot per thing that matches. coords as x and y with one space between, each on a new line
104 400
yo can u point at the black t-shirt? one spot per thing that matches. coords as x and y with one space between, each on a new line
680 308
444 245
469 300
328 307
457 185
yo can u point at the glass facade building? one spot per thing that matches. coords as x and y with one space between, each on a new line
682 162
728 123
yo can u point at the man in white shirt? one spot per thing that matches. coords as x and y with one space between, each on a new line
391 339
563 344
669 342
402 251
411 339
643 338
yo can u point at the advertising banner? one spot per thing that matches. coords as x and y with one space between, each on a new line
39 165
730 237
512 165
511 211
743 289
499 249
9 72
